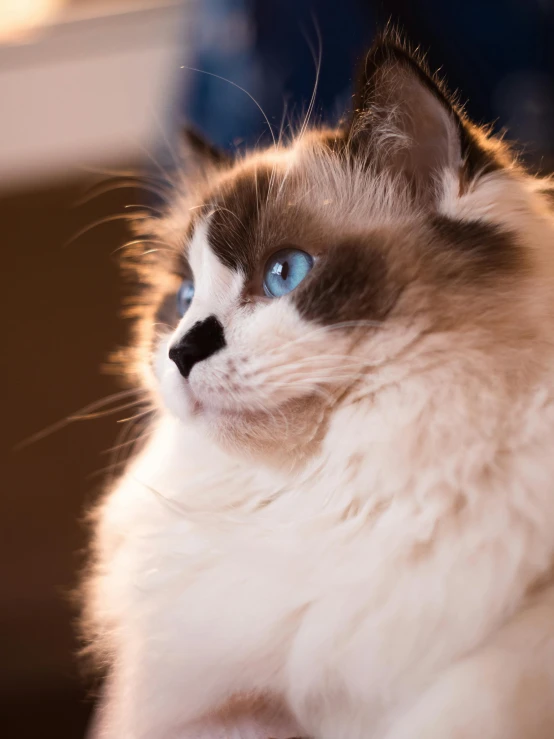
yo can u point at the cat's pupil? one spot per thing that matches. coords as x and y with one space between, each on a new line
285 270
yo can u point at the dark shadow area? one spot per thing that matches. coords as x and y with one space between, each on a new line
60 320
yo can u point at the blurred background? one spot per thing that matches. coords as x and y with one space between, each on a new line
92 91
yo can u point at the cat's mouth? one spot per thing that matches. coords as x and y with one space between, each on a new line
212 412
216 405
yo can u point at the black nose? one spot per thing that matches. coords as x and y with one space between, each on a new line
200 342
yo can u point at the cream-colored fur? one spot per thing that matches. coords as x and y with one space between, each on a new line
358 527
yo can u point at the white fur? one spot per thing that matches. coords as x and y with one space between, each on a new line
378 591
208 597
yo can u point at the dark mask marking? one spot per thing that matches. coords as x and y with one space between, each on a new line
485 248
349 282
236 209
166 312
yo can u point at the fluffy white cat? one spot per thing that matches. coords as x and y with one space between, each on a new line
342 523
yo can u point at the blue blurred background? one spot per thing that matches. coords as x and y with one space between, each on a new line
498 54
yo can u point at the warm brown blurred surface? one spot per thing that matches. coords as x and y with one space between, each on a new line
60 306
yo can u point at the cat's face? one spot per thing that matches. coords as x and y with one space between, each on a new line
299 277
283 293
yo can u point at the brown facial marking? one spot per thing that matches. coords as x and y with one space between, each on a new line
166 312
235 214
349 282
486 249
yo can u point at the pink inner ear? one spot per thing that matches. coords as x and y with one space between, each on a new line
243 722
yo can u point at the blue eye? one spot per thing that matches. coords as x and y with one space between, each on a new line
185 295
285 270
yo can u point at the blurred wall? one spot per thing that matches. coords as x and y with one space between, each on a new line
60 319
93 92
498 55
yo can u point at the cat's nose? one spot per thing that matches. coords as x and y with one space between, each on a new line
200 342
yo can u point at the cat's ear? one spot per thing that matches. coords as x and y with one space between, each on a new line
201 152
405 121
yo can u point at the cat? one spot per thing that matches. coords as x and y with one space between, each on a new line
341 525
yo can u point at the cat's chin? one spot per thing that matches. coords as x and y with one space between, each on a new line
290 432
226 417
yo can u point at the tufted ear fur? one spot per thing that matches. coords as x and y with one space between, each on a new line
404 120
201 152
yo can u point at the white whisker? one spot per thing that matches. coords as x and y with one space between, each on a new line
128 183
81 415
102 222
317 61
234 84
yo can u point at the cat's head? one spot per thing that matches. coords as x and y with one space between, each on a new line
295 280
